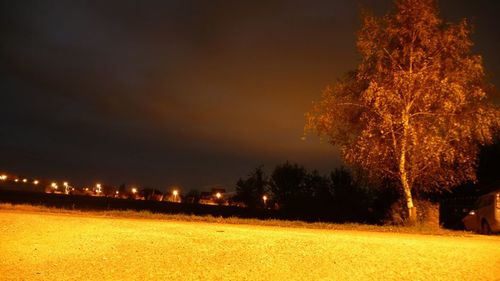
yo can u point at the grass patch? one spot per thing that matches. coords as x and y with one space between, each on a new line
417 229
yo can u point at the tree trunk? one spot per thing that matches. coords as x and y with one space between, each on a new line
412 210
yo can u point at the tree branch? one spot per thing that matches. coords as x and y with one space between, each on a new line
392 59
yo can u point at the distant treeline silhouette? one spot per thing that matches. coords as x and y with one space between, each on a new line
340 196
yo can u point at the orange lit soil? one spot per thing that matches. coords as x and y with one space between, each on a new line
42 246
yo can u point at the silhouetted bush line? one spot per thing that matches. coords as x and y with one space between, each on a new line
450 214
92 203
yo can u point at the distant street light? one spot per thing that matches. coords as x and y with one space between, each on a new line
16 180
264 198
35 182
54 185
3 177
134 190
175 193
98 188
218 195
25 180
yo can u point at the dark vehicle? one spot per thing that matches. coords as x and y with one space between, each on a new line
485 217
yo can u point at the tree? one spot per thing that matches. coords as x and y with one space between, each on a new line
489 161
288 185
251 190
351 197
417 107
319 186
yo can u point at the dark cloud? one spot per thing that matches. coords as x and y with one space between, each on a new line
178 92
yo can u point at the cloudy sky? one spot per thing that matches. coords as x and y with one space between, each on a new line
189 93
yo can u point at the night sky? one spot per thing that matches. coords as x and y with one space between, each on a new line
189 93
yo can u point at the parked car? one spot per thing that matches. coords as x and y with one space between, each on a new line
485 216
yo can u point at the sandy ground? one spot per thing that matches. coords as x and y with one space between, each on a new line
41 246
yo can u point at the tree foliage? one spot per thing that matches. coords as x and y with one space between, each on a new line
288 185
340 196
417 107
251 189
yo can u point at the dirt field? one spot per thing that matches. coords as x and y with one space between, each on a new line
43 246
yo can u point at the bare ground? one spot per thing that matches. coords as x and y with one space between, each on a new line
50 246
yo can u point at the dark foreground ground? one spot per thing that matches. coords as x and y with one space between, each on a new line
55 246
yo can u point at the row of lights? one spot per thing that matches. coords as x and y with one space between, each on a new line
98 189
219 196
98 186
54 185
25 180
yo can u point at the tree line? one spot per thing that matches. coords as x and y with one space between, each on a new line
342 195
